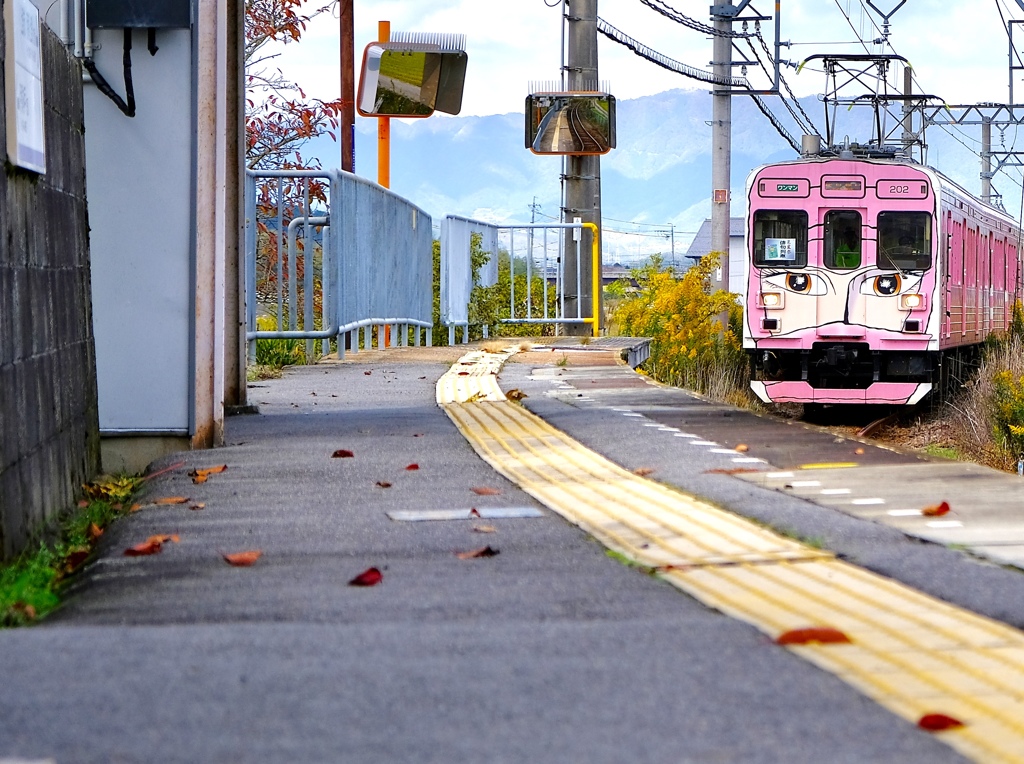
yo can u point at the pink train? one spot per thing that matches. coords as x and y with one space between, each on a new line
870 280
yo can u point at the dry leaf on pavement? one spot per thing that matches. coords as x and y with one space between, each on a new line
342 453
936 510
242 559
812 634
484 551
369 577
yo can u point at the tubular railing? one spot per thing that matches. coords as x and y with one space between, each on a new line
534 251
329 254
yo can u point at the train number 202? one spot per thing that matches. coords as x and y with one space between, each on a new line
896 190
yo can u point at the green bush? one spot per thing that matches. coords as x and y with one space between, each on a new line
1008 402
689 346
277 353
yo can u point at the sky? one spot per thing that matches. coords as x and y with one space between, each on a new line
958 48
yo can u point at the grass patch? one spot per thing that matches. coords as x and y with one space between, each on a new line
31 583
260 371
943 452
629 563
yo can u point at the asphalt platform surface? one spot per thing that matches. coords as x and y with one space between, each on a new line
549 651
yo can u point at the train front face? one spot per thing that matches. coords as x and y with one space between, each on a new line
841 303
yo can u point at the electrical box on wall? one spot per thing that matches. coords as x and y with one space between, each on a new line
120 14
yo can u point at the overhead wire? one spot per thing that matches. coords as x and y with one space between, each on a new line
665 62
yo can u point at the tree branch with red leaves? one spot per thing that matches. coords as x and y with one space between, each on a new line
279 118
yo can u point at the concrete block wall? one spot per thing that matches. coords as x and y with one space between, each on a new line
49 431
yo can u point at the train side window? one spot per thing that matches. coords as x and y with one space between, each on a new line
905 240
780 238
842 239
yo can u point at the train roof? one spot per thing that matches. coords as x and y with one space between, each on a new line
940 180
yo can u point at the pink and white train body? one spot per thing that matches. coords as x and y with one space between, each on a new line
866 279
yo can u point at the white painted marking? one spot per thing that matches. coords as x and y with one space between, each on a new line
722 450
669 429
747 460
867 502
652 424
903 512
804 484
835 491
686 435
630 413
945 524
703 443
779 475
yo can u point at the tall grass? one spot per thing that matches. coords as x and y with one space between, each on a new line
689 346
989 414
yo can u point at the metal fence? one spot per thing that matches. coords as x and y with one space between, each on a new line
329 255
534 251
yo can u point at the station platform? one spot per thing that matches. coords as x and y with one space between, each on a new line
576 563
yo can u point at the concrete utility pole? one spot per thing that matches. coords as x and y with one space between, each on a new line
721 141
583 179
347 36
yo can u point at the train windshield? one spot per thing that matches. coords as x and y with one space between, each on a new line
842 239
905 240
780 238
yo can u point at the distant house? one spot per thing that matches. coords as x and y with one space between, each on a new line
701 245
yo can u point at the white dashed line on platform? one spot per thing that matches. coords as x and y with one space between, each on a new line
867 502
835 491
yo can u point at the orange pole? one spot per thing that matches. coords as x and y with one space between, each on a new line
384 124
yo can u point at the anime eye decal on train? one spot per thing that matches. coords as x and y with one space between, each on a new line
799 283
888 284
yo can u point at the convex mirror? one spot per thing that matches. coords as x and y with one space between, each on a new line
410 80
577 124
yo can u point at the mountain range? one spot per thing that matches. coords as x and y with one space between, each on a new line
656 182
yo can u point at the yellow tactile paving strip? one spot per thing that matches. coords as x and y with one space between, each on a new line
908 651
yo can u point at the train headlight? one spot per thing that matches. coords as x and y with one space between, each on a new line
771 299
911 301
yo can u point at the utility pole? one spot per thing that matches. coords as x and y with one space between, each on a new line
348 86
721 140
583 178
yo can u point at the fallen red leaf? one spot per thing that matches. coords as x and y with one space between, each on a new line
242 559
484 551
76 558
820 634
134 507
482 490
742 448
643 471
172 500
858 451
197 505
463 374
936 509
412 467
474 512
342 453
383 484
94 531
938 722
146 547
367 373
202 475
369 577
